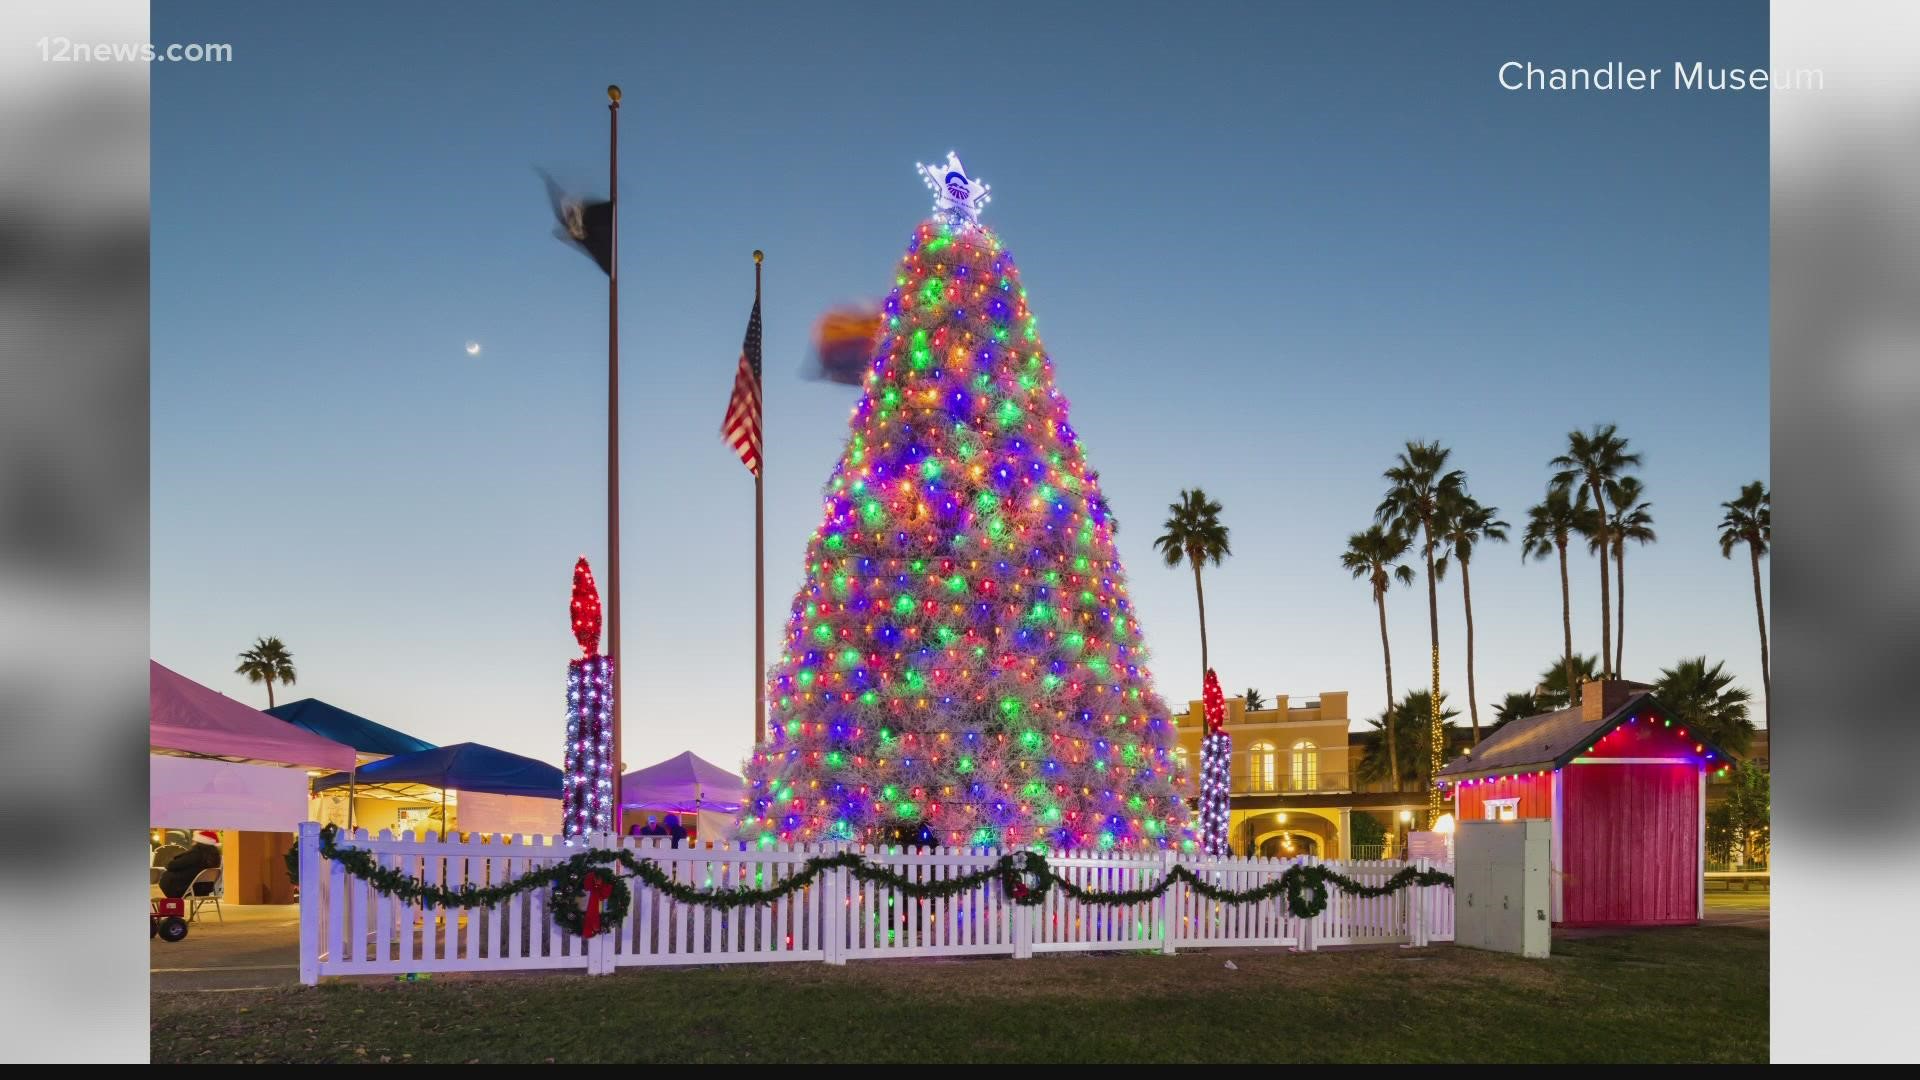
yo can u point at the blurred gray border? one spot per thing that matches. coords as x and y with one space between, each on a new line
73 535
1846 585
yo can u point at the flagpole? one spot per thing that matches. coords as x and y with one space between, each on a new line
613 436
760 552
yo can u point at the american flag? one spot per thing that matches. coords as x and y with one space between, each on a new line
741 428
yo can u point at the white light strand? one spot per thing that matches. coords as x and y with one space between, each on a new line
1216 751
587 789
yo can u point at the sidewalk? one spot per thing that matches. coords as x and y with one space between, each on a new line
259 946
1753 909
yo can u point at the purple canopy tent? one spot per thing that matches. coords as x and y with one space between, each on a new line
684 784
690 785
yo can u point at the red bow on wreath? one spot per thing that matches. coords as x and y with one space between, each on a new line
597 890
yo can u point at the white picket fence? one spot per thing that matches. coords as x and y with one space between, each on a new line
348 928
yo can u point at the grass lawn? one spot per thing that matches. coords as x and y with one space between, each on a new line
1685 994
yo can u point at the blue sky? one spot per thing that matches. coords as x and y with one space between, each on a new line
1266 245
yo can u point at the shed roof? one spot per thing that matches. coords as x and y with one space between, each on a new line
1549 740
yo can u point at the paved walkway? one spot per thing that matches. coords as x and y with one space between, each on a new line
1740 908
258 946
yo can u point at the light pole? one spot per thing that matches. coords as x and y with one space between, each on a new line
1406 832
613 439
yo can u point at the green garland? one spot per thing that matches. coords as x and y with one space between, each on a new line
1024 876
1305 888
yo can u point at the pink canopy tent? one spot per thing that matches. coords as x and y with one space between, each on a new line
187 717
682 784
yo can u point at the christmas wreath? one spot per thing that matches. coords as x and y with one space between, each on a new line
1306 891
589 899
1025 875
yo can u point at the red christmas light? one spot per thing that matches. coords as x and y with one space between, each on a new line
1214 702
586 608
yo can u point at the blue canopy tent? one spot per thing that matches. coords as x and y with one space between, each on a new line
333 722
460 767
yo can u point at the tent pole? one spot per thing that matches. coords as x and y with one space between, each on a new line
353 775
443 815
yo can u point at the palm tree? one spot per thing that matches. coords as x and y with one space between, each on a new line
1550 525
1516 706
1420 489
1749 521
1254 701
1593 460
267 662
1194 533
1553 691
1375 555
1704 699
1468 524
1412 716
1632 520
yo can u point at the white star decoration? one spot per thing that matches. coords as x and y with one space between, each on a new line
957 197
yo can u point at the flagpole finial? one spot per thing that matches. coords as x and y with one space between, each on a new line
613 95
758 256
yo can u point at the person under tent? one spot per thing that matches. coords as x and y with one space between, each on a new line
183 868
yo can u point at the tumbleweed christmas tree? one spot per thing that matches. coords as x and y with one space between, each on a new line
962 666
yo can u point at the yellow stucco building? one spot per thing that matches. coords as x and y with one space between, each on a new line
1293 790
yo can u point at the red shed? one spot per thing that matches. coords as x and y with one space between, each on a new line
1625 788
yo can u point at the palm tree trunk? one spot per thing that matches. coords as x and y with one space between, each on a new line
1760 609
1435 752
1606 592
269 692
1201 594
1620 627
1566 620
1386 653
1473 700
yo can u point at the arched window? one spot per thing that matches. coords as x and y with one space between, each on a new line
1306 766
1265 767
1180 755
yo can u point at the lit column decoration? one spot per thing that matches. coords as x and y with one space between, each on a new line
1216 758
1436 745
586 801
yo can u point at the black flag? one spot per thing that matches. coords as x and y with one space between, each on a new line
586 223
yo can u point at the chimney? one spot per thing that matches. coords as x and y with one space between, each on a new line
1600 698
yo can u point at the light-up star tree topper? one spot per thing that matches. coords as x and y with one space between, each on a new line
957 197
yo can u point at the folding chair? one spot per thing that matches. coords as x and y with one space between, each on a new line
195 901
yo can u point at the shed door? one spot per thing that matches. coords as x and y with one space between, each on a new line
1632 836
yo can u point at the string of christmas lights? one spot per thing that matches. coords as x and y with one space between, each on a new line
1648 739
1216 763
586 795
963 666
